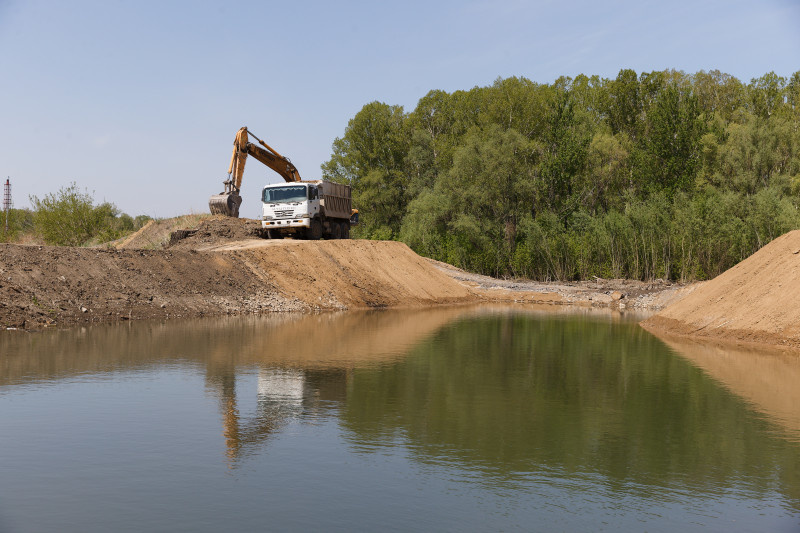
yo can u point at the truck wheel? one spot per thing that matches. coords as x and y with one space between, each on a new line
314 233
345 230
336 231
274 234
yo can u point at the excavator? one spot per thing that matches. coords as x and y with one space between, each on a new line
228 201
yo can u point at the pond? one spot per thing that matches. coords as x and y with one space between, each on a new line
489 418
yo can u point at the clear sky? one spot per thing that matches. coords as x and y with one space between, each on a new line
139 101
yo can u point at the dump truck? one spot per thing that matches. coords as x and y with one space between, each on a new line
308 209
305 209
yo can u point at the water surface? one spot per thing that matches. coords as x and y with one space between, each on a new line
455 419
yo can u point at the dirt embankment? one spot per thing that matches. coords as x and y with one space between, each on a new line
222 266
46 285
756 301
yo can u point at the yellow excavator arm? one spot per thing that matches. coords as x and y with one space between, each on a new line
228 201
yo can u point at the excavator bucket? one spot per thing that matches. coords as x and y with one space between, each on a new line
225 204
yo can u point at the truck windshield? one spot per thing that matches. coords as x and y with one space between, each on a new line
291 193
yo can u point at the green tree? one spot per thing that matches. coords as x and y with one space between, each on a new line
518 104
565 147
491 184
70 218
718 93
623 103
766 94
471 216
608 173
371 158
671 149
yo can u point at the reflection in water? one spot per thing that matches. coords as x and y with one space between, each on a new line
327 340
306 343
767 378
511 395
280 398
526 401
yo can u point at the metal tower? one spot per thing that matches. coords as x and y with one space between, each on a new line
7 202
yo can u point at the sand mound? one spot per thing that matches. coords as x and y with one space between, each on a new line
757 300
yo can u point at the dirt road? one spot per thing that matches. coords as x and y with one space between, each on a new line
222 266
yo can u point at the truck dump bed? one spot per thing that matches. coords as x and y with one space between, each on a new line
335 199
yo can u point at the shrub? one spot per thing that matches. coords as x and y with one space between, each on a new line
70 218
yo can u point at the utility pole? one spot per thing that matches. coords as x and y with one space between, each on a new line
7 203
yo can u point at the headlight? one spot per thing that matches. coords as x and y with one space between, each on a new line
267 217
302 215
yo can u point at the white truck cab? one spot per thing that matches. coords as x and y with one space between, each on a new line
289 205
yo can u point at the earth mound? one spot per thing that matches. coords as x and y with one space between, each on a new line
156 233
46 285
757 300
214 230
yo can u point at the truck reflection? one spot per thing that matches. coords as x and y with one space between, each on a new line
282 395
280 398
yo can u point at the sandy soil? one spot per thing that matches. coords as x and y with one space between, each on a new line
756 301
219 265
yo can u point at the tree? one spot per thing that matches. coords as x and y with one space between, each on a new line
69 216
623 104
370 157
672 144
640 176
565 147
479 203
516 103
718 93
766 94
608 172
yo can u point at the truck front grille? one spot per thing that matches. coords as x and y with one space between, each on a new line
284 214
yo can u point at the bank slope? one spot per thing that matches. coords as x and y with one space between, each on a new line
757 300
42 285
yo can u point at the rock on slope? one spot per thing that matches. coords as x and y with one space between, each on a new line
757 300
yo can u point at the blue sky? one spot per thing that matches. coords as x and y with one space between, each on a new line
139 101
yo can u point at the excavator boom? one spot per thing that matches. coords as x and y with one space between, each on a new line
228 201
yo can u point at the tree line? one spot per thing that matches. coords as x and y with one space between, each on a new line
653 175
